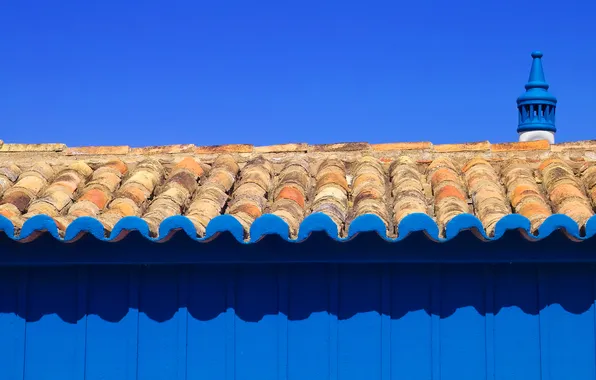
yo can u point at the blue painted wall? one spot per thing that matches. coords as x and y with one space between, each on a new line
299 321
296 320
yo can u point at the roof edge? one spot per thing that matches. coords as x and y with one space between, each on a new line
482 146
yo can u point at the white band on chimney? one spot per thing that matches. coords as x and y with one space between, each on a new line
537 135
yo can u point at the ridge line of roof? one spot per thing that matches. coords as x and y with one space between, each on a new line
485 148
469 147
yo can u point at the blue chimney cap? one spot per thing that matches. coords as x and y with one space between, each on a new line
536 106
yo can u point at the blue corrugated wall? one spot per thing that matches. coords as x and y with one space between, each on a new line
366 309
298 321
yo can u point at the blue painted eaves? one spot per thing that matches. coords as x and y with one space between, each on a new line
273 225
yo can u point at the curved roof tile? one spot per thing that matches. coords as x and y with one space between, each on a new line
292 190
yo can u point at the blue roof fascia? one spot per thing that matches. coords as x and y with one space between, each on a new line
269 224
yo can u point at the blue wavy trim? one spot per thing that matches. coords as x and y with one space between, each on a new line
269 224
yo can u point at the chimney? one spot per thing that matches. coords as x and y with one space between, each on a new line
536 107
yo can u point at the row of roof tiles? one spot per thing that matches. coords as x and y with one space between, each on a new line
484 146
295 188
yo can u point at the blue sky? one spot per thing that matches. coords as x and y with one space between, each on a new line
266 72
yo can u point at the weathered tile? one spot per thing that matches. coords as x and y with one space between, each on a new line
467 147
588 173
213 193
174 194
368 190
331 192
289 196
450 194
340 147
133 194
565 191
487 193
357 179
230 148
283 148
97 150
163 149
387 147
520 146
32 147
249 197
407 189
524 193
59 195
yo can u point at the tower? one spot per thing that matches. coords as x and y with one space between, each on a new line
536 107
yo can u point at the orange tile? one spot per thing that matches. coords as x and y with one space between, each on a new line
587 145
97 197
282 148
68 187
165 149
9 211
249 208
521 146
190 164
474 162
522 191
118 165
421 145
544 164
333 178
563 191
97 150
533 209
136 193
290 192
123 208
466 147
32 147
444 174
369 193
449 191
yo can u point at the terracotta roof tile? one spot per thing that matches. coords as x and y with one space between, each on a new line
340 147
283 148
134 193
524 193
449 190
32 147
401 146
92 150
588 173
213 192
174 194
369 190
331 191
521 146
487 193
292 181
232 148
566 191
290 194
165 149
468 147
407 190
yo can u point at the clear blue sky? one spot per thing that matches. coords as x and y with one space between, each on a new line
266 72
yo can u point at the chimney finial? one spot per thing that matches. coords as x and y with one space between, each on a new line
536 107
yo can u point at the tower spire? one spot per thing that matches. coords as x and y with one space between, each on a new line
536 107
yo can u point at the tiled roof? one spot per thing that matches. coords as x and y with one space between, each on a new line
337 187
